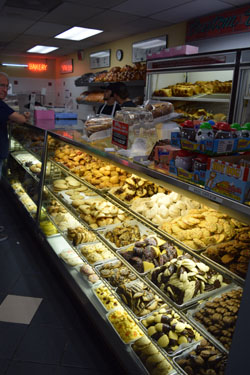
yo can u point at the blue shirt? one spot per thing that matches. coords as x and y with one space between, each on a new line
5 112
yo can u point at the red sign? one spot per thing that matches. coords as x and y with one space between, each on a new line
120 134
67 66
37 67
233 21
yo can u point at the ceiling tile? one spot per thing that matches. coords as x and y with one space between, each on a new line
147 8
109 20
70 14
189 11
59 42
235 2
45 29
20 12
106 37
99 3
42 5
10 25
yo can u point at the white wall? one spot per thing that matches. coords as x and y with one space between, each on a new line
61 92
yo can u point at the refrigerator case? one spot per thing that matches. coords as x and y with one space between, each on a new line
201 86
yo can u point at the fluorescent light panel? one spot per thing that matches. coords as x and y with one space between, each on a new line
15 65
42 49
100 54
78 33
151 44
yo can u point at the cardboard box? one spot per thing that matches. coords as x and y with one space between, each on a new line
209 147
45 124
163 155
40 114
174 51
196 177
226 177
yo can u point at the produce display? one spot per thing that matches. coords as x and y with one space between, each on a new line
149 253
190 89
234 254
152 359
219 316
96 253
203 227
170 330
184 278
161 208
139 298
136 187
125 325
203 359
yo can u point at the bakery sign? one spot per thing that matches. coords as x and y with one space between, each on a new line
66 66
120 133
236 20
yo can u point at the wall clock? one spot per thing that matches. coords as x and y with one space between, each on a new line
119 54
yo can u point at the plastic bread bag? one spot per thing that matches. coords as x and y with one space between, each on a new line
161 111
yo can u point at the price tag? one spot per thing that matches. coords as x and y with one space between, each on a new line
120 132
205 194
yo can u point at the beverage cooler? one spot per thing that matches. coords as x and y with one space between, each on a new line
202 86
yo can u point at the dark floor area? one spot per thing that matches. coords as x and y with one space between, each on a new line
59 339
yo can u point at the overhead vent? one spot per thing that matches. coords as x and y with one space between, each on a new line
41 5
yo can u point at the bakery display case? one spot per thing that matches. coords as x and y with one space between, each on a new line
24 166
201 87
144 251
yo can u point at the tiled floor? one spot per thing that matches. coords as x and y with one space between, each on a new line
55 341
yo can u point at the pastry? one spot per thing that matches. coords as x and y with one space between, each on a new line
184 278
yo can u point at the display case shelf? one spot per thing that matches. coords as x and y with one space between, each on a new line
214 98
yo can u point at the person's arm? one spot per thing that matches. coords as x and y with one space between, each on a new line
17 117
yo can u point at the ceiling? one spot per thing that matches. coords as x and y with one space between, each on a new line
26 23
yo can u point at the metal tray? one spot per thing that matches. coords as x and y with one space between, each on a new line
191 313
191 302
143 231
185 354
99 262
101 284
181 347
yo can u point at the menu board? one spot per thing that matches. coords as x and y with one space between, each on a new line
100 59
140 50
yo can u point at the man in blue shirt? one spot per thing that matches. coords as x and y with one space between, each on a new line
6 113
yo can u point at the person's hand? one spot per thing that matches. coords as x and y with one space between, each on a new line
26 115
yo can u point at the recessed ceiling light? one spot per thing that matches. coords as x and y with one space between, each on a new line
78 33
42 49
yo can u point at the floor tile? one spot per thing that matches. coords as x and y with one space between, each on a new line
19 309
82 371
27 368
42 343
85 350
10 337
4 363
31 286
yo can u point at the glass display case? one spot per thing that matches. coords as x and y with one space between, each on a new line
199 86
123 231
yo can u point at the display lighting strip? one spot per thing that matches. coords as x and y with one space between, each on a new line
15 65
